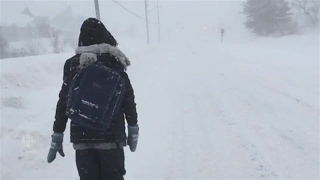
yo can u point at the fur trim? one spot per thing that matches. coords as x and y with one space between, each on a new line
87 58
97 49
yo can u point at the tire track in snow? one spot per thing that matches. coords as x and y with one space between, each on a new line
209 157
204 117
226 96
187 142
263 169
192 155
269 131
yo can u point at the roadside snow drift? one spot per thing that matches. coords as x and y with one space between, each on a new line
206 111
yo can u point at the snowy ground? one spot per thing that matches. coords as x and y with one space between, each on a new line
42 46
206 111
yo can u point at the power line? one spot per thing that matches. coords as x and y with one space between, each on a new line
146 17
119 4
96 4
131 12
147 22
159 31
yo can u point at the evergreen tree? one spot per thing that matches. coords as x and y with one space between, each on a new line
268 17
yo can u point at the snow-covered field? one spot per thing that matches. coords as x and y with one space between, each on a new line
42 46
206 111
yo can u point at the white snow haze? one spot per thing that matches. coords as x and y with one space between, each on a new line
237 106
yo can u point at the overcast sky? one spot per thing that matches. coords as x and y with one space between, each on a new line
187 13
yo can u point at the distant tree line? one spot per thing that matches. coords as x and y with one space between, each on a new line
56 41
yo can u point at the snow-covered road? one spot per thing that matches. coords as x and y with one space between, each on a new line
215 111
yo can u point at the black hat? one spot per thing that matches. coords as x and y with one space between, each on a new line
94 32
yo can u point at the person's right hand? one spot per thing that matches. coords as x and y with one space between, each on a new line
56 146
133 135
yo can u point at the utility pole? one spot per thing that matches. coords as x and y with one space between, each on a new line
96 4
158 21
147 21
222 34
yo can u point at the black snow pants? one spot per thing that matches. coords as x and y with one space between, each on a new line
95 164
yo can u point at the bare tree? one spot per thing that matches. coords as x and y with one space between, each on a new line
4 45
56 40
308 8
33 47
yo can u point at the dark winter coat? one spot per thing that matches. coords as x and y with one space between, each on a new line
112 57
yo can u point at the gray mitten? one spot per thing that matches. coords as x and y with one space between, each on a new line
56 146
133 135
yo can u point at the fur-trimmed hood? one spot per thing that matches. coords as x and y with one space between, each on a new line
89 54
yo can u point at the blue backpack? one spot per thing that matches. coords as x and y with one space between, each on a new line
95 96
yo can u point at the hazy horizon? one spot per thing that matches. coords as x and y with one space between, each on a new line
172 13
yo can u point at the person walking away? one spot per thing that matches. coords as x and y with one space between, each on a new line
97 96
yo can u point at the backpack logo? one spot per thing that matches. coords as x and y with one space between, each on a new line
95 96
90 104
